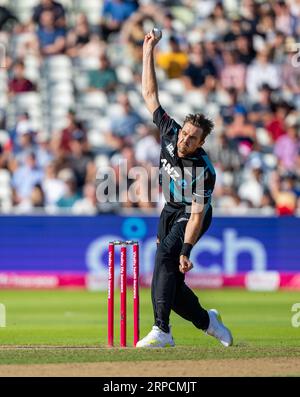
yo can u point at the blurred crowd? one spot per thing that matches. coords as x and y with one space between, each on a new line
70 98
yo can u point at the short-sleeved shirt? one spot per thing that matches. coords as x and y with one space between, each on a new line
49 37
118 11
187 179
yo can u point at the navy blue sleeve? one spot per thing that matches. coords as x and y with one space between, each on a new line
164 122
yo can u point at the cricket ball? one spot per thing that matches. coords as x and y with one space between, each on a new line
157 33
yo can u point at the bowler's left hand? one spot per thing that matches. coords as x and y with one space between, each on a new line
185 264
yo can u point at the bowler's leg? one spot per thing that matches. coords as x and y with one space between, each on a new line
186 305
163 286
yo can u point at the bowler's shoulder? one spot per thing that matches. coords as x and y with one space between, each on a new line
165 122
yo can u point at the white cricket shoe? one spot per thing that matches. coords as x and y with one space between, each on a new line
157 338
217 329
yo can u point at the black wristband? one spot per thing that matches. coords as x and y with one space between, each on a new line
186 249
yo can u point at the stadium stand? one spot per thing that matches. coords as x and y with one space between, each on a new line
70 97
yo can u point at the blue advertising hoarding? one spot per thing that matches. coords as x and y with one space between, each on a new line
80 243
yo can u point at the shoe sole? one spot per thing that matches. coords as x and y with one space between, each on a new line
229 332
152 345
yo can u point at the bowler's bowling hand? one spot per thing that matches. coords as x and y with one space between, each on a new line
150 41
184 264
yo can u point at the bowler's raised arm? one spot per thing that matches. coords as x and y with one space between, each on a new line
149 82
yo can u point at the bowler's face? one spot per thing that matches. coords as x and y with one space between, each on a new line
189 140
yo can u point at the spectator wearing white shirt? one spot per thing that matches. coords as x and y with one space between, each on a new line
88 204
260 72
252 188
53 187
26 177
147 149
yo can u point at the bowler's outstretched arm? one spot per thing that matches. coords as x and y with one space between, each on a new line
149 82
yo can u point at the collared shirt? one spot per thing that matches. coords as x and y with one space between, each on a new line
182 179
25 178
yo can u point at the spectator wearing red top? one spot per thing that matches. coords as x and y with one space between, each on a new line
63 142
276 126
19 83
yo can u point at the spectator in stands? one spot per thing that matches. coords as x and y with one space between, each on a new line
217 23
54 7
261 110
262 35
198 69
50 37
233 106
267 205
123 161
251 188
103 79
173 62
276 125
287 147
284 22
114 14
244 49
278 48
167 23
78 37
88 204
133 36
213 53
233 73
19 83
234 31
22 135
225 155
284 194
53 187
147 149
249 13
37 197
7 19
35 201
26 145
241 133
80 156
26 177
123 127
262 71
230 202
71 195
44 154
291 78
61 140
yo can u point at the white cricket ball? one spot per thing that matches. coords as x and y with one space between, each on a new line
157 33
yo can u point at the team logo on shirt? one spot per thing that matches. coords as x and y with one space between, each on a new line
170 170
170 149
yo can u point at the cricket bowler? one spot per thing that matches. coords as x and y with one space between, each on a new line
179 229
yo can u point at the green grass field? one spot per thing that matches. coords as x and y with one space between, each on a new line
76 322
